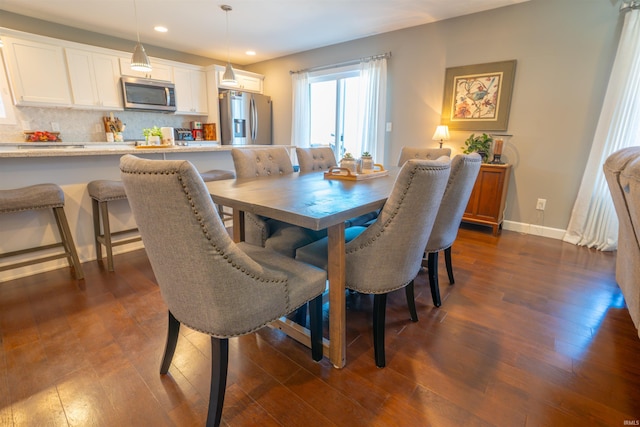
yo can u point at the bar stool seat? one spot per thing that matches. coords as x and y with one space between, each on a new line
103 191
35 197
219 175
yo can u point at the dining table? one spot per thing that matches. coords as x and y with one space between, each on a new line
316 202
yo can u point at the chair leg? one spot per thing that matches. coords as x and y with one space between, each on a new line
315 325
67 242
170 346
447 261
379 306
411 301
432 267
219 366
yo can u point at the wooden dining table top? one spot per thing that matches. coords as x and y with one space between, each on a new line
304 199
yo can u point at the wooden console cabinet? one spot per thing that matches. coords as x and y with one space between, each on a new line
487 200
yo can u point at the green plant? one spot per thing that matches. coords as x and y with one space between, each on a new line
366 154
154 131
480 144
348 156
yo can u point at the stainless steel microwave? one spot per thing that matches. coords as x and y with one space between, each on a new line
148 95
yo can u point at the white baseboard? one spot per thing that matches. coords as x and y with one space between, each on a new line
536 230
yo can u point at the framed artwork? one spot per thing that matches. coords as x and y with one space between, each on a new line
478 97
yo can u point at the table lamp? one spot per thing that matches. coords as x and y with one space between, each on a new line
441 134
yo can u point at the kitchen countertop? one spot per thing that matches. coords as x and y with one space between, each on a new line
61 149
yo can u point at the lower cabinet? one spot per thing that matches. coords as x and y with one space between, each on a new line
487 201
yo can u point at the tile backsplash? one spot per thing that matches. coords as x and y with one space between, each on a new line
83 125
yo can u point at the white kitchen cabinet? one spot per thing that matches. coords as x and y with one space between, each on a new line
37 72
191 91
159 70
95 79
247 81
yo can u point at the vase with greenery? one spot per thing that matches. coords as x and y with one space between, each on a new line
366 162
153 135
349 162
480 144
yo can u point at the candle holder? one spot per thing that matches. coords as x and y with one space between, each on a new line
499 142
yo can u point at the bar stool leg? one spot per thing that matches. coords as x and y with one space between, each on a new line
67 242
106 234
96 228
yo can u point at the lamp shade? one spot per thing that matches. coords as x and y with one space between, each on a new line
139 59
229 76
441 133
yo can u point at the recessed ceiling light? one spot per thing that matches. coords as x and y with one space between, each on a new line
251 52
160 29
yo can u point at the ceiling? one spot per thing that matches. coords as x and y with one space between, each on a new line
272 28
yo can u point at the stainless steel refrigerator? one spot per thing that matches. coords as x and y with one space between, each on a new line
245 118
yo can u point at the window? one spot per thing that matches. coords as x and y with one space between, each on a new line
343 108
334 110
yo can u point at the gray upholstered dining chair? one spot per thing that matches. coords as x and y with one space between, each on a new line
267 232
315 159
407 153
387 254
464 171
208 282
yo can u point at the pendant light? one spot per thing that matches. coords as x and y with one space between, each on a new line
139 59
229 76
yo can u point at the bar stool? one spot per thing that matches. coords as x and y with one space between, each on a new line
219 175
42 196
103 191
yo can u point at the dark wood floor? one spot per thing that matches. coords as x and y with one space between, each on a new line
533 333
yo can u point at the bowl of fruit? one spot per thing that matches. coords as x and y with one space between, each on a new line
42 136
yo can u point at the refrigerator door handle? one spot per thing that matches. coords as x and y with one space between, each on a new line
254 120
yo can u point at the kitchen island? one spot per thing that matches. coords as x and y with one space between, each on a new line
72 166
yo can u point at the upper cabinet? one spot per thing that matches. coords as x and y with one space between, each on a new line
159 70
49 72
191 90
95 79
247 81
37 72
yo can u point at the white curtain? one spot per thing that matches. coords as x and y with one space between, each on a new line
301 110
371 115
593 220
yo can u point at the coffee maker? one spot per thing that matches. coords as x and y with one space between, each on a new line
196 131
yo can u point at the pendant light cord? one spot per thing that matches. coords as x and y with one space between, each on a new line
135 15
226 9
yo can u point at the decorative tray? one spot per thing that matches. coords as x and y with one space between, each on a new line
142 147
345 174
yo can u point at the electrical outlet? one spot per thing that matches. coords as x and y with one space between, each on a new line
541 204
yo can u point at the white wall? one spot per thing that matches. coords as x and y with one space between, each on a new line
564 49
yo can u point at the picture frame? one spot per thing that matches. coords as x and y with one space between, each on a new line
478 97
